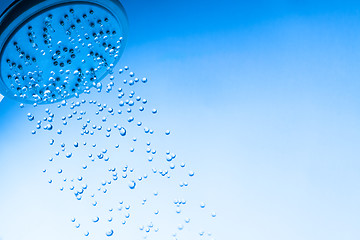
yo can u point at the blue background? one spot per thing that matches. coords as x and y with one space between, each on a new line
262 99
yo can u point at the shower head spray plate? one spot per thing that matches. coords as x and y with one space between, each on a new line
54 50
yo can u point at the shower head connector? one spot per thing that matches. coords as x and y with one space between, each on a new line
52 50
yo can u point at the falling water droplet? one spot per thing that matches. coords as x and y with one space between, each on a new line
109 233
122 131
132 184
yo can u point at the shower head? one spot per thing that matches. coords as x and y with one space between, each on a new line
52 50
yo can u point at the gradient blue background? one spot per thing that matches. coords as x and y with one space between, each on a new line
263 99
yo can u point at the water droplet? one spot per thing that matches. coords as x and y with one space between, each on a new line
132 184
96 219
167 132
109 233
213 214
191 173
122 131
30 117
131 119
202 205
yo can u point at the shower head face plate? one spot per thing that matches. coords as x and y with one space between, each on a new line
61 51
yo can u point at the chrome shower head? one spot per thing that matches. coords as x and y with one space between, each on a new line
52 50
